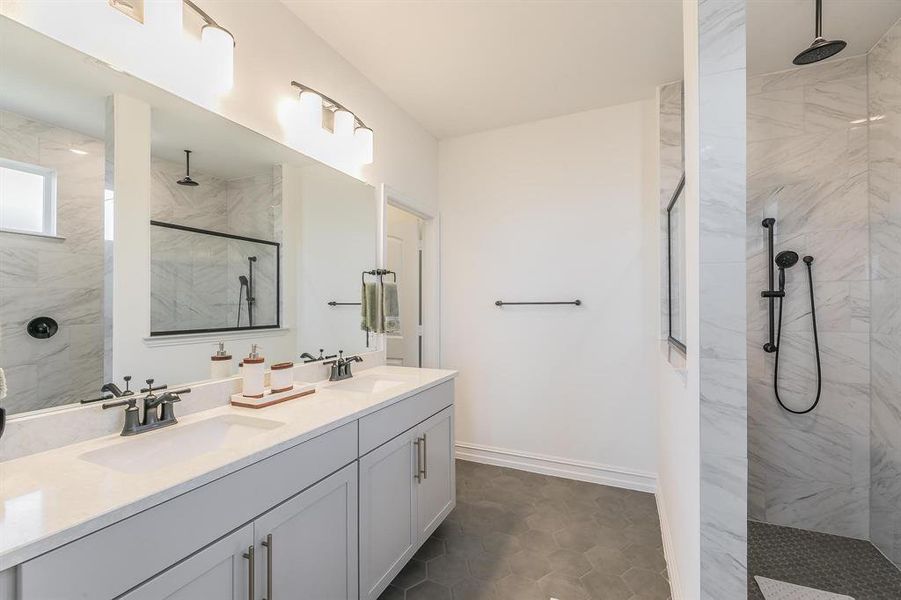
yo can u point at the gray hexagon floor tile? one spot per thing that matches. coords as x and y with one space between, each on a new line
516 535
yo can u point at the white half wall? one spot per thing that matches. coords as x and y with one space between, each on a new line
554 210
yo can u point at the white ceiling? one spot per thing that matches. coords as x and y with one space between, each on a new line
460 66
464 66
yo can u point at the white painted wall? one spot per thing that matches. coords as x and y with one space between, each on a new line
678 400
554 210
273 47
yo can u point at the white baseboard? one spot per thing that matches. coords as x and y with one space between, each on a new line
672 567
558 467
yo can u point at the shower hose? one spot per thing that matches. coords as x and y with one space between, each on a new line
816 345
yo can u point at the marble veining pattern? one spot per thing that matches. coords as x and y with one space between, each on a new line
59 278
884 73
195 276
722 298
808 169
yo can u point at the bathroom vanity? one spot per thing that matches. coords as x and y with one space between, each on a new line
324 497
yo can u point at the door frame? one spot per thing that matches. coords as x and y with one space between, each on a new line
430 281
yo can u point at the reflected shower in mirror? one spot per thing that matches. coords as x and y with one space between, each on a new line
205 281
214 247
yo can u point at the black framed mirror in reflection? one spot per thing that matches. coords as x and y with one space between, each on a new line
205 281
675 266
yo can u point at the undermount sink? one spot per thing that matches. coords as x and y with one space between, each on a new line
160 449
366 385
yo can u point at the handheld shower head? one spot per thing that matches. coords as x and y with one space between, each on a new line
243 280
786 259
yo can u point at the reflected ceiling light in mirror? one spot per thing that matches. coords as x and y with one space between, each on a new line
349 134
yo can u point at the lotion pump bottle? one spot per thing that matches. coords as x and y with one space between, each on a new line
254 374
220 363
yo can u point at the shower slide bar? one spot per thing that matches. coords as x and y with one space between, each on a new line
572 302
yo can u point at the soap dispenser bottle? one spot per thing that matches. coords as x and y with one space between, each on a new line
220 363
254 374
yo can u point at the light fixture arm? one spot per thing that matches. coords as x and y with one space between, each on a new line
332 104
207 19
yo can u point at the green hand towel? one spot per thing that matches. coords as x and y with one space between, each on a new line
371 309
390 308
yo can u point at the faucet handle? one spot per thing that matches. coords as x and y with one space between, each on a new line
128 391
129 401
150 388
174 396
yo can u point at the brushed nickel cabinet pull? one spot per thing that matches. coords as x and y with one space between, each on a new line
425 458
417 471
249 556
267 544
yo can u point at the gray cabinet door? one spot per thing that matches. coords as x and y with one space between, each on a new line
436 491
218 572
307 547
388 533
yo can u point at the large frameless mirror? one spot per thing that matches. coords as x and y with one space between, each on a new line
99 281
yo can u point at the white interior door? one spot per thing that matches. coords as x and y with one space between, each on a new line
403 258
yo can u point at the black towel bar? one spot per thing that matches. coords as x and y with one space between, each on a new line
333 303
573 302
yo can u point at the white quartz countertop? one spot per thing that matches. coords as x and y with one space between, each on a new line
55 497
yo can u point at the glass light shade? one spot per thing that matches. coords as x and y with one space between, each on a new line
363 140
344 123
219 46
311 110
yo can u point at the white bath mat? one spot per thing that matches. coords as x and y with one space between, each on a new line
780 590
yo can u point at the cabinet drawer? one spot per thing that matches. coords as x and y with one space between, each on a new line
391 421
113 560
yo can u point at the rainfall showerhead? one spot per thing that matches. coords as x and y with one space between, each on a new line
186 180
821 48
252 258
786 259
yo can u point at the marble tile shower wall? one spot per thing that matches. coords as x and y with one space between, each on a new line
59 278
884 71
808 169
195 276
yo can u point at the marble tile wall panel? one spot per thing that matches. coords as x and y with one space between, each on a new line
722 299
884 73
194 276
808 168
60 278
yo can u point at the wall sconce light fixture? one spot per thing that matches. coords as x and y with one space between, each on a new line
345 125
219 43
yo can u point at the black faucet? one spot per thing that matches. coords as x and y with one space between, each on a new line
152 403
114 389
341 366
